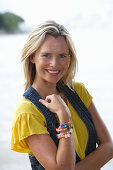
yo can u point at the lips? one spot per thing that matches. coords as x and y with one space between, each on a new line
55 72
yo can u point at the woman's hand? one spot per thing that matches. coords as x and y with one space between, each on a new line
57 105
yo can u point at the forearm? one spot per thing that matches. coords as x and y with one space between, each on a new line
65 156
97 158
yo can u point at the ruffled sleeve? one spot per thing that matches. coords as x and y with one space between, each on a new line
24 125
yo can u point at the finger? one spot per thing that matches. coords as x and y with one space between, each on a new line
48 100
45 103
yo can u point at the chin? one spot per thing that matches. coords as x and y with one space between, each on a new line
52 81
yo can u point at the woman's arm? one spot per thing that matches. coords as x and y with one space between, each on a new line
104 152
44 148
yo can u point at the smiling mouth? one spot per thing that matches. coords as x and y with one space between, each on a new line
54 72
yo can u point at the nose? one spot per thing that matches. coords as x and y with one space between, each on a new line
54 61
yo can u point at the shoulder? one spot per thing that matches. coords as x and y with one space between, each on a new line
82 92
80 88
78 85
27 120
25 107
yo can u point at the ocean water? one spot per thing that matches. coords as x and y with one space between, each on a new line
95 70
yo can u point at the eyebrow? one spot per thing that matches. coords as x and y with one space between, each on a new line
58 54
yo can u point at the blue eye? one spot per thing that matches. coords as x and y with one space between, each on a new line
46 55
62 56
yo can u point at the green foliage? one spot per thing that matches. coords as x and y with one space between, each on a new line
10 22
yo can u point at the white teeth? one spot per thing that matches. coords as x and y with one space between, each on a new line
53 72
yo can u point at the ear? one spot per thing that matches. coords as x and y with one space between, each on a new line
32 59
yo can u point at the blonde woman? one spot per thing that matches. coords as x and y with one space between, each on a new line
56 122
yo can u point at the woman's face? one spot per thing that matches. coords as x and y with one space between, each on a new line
51 59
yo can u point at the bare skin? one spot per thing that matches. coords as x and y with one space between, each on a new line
51 66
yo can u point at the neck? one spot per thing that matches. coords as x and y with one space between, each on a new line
45 88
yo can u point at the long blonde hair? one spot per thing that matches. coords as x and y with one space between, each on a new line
35 40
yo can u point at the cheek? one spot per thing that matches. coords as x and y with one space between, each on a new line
66 66
67 63
40 63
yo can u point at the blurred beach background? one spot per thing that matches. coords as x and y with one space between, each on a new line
90 24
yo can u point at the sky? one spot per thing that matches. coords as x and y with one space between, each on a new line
77 13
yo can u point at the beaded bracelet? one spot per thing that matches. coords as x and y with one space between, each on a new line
64 127
65 135
65 130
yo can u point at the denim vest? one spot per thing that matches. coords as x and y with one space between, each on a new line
52 122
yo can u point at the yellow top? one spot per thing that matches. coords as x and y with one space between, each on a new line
28 120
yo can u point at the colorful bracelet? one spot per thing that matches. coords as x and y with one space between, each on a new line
65 135
64 130
64 127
